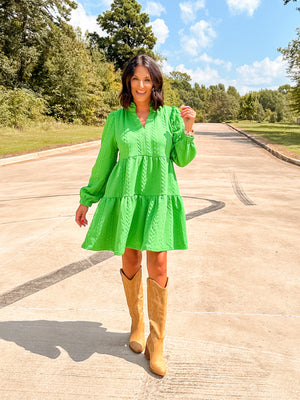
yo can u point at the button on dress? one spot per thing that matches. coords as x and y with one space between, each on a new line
140 205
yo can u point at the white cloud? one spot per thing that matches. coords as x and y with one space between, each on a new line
165 67
155 9
189 10
79 18
265 72
239 6
201 36
205 58
160 30
207 76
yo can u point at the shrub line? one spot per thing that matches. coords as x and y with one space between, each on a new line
46 153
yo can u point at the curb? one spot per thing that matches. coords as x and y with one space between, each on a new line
266 147
46 153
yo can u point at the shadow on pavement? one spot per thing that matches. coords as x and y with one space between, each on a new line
80 339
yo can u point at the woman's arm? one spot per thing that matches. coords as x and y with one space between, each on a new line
184 149
80 216
103 166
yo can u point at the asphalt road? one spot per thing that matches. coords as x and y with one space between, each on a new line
234 305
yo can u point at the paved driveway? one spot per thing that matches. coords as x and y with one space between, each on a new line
234 306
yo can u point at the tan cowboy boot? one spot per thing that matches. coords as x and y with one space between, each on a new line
134 295
157 311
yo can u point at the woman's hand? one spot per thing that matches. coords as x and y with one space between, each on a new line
188 115
80 215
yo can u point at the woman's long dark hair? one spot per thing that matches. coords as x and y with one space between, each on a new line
157 98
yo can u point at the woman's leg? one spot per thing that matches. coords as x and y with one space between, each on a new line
131 261
157 266
131 274
157 293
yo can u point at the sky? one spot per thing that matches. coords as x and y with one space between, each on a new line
233 42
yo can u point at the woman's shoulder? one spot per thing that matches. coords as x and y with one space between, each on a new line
116 113
170 112
114 116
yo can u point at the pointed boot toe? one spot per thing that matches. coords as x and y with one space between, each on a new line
158 368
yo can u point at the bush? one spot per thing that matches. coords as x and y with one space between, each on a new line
19 107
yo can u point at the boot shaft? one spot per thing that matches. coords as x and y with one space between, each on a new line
157 311
157 308
134 296
133 289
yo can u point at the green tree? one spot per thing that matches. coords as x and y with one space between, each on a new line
233 92
222 106
203 110
292 55
250 108
19 107
276 101
180 81
77 81
109 79
284 89
171 95
26 27
127 30
270 99
259 114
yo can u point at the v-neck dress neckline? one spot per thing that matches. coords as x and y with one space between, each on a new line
132 108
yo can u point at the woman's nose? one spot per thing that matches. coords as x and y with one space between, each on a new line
141 84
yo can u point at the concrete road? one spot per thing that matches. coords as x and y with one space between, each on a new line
234 305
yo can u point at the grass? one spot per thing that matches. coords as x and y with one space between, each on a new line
50 135
44 136
281 134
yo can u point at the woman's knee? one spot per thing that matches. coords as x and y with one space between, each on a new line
132 256
157 262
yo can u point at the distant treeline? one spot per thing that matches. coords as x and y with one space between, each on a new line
48 70
216 104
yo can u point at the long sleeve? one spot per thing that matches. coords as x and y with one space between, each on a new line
103 166
183 150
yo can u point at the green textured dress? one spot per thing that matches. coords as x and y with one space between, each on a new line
140 204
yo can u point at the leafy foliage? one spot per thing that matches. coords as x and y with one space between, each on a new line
292 55
215 104
26 29
18 107
72 81
42 54
49 70
127 32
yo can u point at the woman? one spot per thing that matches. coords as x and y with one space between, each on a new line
140 207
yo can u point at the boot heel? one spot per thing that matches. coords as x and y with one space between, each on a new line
147 354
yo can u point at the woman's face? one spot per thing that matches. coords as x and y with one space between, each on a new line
141 85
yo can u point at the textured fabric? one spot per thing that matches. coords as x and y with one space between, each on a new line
140 205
